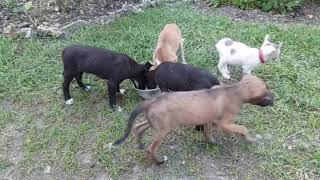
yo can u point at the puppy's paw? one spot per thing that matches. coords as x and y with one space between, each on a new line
251 140
122 91
87 88
227 76
69 101
199 128
213 141
141 146
119 109
163 160
110 146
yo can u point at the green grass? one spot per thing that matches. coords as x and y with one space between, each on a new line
10 3
53 134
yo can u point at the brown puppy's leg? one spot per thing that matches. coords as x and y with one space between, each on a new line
158 136
152 150
138 131
208 133
137 128
238 129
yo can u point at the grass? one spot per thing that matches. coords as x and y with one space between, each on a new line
10 3
54 134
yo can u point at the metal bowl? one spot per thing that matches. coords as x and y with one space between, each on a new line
148 93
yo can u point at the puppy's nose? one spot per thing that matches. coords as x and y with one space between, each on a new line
268 100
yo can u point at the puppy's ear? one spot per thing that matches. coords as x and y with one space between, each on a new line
267 38
279 45
147 66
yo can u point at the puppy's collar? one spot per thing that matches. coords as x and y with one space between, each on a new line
261 58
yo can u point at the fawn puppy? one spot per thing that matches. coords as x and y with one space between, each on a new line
218 105
169 41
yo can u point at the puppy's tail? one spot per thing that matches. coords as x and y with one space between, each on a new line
139 109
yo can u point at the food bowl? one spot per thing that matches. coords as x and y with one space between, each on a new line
146 94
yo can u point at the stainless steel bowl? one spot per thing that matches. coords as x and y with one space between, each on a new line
148 93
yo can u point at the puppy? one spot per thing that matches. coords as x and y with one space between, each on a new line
237 53
180 77
106 64
218 105
169 41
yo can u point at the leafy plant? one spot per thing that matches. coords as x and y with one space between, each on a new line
28 6
10 3
264 5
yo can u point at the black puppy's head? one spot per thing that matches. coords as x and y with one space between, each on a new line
151 82
140 79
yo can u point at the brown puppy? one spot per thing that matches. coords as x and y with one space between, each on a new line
168 43
218 105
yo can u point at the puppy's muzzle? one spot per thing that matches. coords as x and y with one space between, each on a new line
268 100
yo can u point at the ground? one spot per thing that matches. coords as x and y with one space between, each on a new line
309 13
49 13
41 138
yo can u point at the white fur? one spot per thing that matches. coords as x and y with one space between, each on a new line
136 83
110 146
122 91
87 88
244 55
119 109
69 101
165 158
158 62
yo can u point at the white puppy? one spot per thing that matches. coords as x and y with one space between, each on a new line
237 53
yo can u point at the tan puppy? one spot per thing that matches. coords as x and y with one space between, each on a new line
168 43
218 105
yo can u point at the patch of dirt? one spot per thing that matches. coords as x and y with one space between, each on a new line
307 14
11 142
233 159
48 12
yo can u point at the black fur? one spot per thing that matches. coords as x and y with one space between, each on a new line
112 66
180 77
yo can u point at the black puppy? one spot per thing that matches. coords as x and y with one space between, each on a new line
106 64
180 77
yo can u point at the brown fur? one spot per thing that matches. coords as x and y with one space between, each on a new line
218 105
169 41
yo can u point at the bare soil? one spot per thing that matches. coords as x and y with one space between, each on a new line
47 13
